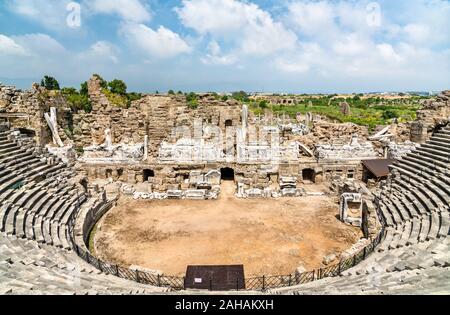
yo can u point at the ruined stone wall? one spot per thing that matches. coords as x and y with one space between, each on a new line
127 125
25 109
328 133
165 113
434 114
154 115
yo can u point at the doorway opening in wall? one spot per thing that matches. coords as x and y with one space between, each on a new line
109 174
27 132
227 174
308 175
228 123
148 174
351 174
120 173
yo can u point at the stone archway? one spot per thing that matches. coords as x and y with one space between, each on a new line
309 175
227 174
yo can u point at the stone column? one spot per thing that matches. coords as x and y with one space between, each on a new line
53 125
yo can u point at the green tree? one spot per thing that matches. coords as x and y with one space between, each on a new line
118 87
50 83
171 92
84 88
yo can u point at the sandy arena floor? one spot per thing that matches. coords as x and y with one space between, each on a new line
270 236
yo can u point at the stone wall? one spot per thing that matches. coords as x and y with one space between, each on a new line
25 109
127 125
154 115
433 114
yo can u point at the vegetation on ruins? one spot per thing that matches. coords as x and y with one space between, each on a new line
363 111
263 104
115 91
240 96
192 100
78 100
50 83
118 100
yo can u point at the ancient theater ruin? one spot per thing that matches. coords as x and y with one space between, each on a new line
124 199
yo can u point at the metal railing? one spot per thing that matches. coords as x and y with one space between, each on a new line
259 283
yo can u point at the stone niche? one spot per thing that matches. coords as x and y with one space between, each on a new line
350 206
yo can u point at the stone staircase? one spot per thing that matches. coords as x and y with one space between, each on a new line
27 267
414 257
38 197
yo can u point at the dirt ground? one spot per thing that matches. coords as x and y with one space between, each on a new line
268 236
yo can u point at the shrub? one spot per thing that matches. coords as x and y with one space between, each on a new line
116 99
118 87
263 104
240 96
390 114
79 102
192 100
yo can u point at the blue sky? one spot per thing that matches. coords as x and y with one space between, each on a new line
226 45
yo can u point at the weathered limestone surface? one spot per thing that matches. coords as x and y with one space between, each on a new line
435 113
25 109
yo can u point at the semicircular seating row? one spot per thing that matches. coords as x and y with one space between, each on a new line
414 257
38 195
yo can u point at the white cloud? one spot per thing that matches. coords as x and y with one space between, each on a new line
352 45
309 55
292 66
417 33
313 18
9 47
253 30
218 17
162 43
388 53
128 10
101 50
40 45
215 56
52 14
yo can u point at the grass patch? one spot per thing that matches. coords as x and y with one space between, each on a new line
91 239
